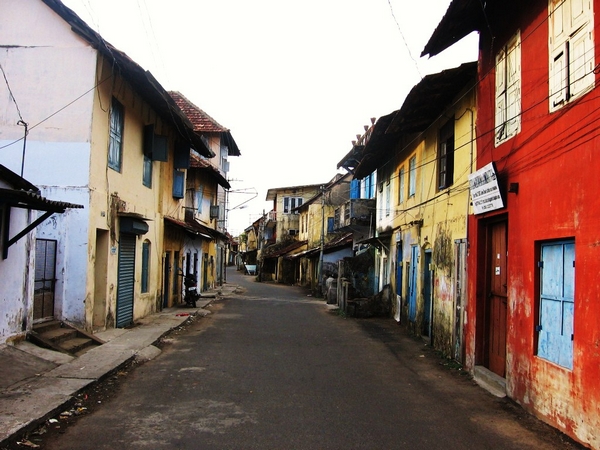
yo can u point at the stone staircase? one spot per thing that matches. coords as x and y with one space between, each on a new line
62 337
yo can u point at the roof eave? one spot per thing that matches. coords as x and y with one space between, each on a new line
461 18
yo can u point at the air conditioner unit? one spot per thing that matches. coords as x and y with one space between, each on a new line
292 232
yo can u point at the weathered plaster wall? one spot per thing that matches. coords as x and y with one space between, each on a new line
554 160
16 273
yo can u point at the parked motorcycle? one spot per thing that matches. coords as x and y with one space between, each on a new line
191 294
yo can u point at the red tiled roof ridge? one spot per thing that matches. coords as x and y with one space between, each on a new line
199 118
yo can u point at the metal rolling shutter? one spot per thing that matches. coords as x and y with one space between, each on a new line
126 280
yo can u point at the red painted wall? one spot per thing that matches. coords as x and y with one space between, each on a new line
555 159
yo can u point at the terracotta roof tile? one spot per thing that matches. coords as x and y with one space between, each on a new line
202 122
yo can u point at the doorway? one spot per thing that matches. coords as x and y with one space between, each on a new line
125 279
45 279
427 298
167 280
496 297
100 279
460 276
412 284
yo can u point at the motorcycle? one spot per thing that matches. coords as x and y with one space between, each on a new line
191 294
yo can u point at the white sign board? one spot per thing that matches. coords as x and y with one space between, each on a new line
485 193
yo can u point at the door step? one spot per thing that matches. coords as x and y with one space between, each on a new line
488 380
62 337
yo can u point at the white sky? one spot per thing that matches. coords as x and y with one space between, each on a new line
294 81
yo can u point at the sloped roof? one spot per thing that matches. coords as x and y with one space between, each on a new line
294 245
26 195
197 229
203 123
461 18
197 162
272 193
423 106
142 80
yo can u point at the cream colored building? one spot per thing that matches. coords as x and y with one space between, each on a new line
102 133
423 203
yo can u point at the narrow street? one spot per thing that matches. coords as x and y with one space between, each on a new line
273 368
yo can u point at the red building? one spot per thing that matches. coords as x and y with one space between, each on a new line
533 313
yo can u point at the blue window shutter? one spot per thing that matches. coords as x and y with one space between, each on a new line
330 224
557 296
178 184
355 189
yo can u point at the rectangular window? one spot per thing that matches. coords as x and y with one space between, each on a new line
412 176
508 90
369 186
115 139
446 155
401 186
145 265
199 199
388 195
290 203
571 50
330 224
556 302
147 172
178 183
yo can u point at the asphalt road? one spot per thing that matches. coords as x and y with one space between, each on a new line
272 368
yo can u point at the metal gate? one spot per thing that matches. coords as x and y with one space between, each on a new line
125 280
45 278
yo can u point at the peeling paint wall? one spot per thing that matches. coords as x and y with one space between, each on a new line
554 161
16 273
433 220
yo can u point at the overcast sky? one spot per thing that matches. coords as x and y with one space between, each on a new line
294 81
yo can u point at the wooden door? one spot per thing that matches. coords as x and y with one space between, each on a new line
497 298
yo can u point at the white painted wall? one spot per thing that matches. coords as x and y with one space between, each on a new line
52 77
16 281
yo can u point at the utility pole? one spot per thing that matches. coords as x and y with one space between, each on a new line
320 269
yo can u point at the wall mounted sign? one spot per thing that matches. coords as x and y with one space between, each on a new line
485 193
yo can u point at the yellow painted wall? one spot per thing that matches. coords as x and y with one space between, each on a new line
115 192
433 219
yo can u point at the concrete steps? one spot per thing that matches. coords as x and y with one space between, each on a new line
62 337
488 380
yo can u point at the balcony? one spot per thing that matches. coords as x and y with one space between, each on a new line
354 213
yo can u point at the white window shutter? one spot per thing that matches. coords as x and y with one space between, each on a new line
578 13
558 78
581 62
513 88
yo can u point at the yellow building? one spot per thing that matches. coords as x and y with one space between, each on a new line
423 154
108 137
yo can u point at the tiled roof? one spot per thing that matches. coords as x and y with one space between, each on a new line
202 122
197 162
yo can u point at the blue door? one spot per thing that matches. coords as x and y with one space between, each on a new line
412 294
399 269
399 273
557 301
427 300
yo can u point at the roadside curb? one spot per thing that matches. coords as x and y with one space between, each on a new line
28 404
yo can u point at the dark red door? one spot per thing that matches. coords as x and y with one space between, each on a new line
497 298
